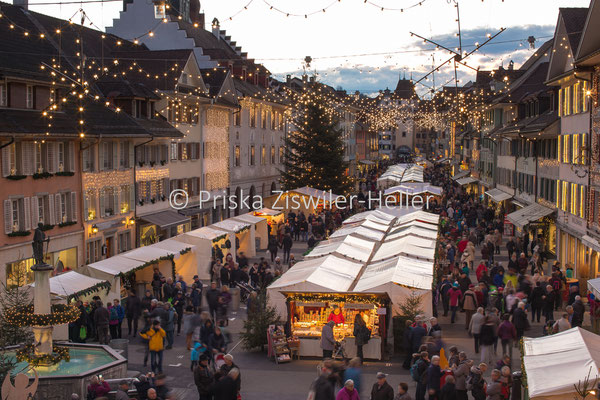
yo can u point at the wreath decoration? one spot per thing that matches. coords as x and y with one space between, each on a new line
60 314
27 353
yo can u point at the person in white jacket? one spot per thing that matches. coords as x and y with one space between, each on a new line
477 321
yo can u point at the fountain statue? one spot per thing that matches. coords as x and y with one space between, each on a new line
41 292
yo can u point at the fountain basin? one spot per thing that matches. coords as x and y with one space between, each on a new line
59 381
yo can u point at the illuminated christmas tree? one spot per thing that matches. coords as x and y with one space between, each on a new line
314 151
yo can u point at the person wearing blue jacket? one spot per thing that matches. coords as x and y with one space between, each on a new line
197 351
120 314
434 375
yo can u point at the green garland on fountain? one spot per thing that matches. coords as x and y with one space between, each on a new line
27 353
60 314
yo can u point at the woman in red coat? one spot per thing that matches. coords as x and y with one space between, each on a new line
336 316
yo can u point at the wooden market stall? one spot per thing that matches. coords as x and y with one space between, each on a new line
244 236
274 218
261 228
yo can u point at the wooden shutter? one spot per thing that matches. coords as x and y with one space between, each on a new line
35 211
131 198
86 159
8 226
101 201
58 207
115 155
51 212
71 157
27 213
51 158
165 185
73 206
28 158
179 151
131 151
6 162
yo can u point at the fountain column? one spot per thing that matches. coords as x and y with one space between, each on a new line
41 305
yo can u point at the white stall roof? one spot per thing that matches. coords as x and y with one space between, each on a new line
267 211
70 283
330 273
147 253
529 214
206 232
594 287
173 246
399 270
414 224
359 230
321 194
231 225
345 247
373 215
415 188
376 225
466 180
461 174
403 246
421 216
412 231
555 363
248 218
414 240
498 195
115 265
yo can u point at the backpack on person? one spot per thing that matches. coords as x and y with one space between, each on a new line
414 370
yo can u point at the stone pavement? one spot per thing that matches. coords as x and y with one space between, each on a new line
262 379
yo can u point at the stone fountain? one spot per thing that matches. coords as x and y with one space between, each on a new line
63 368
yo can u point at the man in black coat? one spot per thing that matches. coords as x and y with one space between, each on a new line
225 388
549 300
381 389
286 243
101 319
323 386
537 301
133 311
520 320
578 312
203 378
212 298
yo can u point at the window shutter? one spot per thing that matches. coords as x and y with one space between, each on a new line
172 185
131 151
51 158
131 198
35 211
165 187
58 207
101 156
6 161
86 159
27 213
179 151
73 206
28 158
71 157
85 207
115 155
8 226
116 205
101 201
51 213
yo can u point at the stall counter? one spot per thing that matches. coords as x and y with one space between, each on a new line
311 347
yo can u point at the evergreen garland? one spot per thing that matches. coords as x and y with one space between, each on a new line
96 288
60 314
314 153
27 353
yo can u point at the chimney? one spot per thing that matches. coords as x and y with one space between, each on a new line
216 28
288 79
21 3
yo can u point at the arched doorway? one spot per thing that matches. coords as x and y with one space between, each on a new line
252 194
238 192
273 188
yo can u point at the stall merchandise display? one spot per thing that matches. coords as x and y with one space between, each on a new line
309 319
279 345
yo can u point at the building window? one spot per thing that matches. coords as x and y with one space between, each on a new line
93 251
281 154
3 95
61 156
125 199
124 241
42 204
237 156
272 154
263 119
89 205
263 155
16 212
403 133
253 112
252 155
237 118
62 208
29 97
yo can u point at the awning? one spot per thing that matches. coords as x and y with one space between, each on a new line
166 218
268 212
366 162
72 283
466 180
591 243
594 287
529 214
498 195
230 225
461 174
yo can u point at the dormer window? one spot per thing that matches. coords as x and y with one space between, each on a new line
160 11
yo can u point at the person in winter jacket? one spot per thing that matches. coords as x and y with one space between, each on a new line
578 312
434 374
323 387
133 311
381 389
402 392
487 339
198 350
507 334
348 392
477 382
455 296
216 342
494 389
520 320
155 337
461 371
448 392
327 339
470 304
537 301
97 388
475 325
203 378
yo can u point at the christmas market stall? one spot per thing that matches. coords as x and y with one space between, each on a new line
274 218
134 269
352 247
554 367
400 173
75 286
206 241
403 194
244 236
305 199
373 215
310 292
261 229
